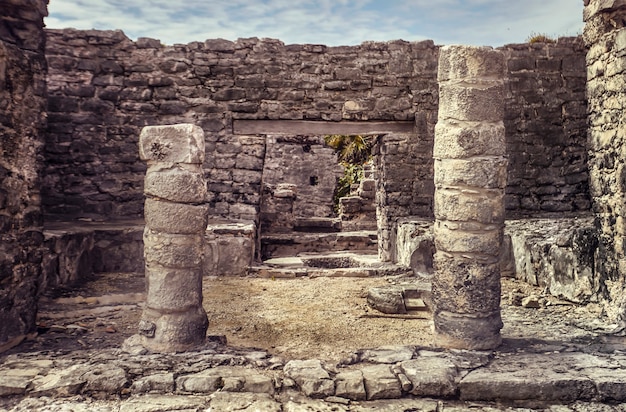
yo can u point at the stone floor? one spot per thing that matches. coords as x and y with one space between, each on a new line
555 356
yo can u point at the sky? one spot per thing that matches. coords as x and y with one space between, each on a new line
329 22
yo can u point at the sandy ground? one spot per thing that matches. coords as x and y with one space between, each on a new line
301 318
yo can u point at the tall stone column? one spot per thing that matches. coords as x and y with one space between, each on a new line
470 178
176 218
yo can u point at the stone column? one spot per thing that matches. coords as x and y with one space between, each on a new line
176 218
470 178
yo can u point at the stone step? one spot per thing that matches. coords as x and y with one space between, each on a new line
318 224
293 244
332 264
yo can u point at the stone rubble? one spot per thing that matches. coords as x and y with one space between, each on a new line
220 378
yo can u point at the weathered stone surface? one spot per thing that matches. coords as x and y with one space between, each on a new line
485 240
431 376
14 385
245 402
380 382
386 299
229 248
228 379
541 378
158 403
460 140
176 183
23 104
105 378
475 103
61 382
172 289
311 377
157 383
172 250
469 201
463 62
171 332
470 204
466 286
387 354
175 218
350 385
469 331
415 245
203 382
180 143
487 172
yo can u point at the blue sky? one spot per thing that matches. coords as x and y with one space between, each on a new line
330 22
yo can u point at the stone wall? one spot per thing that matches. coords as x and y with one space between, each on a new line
605 35
22 118
546 127
104 88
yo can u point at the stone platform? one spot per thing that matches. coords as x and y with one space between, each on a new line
556 356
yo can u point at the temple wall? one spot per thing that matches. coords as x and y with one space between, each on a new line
104 87
605 37
22 119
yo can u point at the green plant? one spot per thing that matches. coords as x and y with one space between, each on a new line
353 151
540 38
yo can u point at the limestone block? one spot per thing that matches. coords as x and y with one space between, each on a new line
171 289
386 299
350 385
387 354
105 378
469 62
458 140
313 379
172 332
178 143
415 244
171 217
224 401
483 206
172 250
159 383
176 183
463 285
381 382
474 103
431 376
449 238
227 255
487 172
471 332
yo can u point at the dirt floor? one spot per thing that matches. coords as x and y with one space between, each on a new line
301 318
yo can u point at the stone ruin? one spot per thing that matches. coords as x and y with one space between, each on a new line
73 104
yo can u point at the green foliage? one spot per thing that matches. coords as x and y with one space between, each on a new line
353 151
540 38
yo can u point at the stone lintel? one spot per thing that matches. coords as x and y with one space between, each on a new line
306 127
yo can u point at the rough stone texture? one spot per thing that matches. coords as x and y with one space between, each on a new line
22 122
311 377
605 37
469 207
230 248
311 170
107 87
173 317
546 127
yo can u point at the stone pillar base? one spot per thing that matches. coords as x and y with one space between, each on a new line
173 332
471 332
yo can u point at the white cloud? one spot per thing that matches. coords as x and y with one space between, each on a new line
332 22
